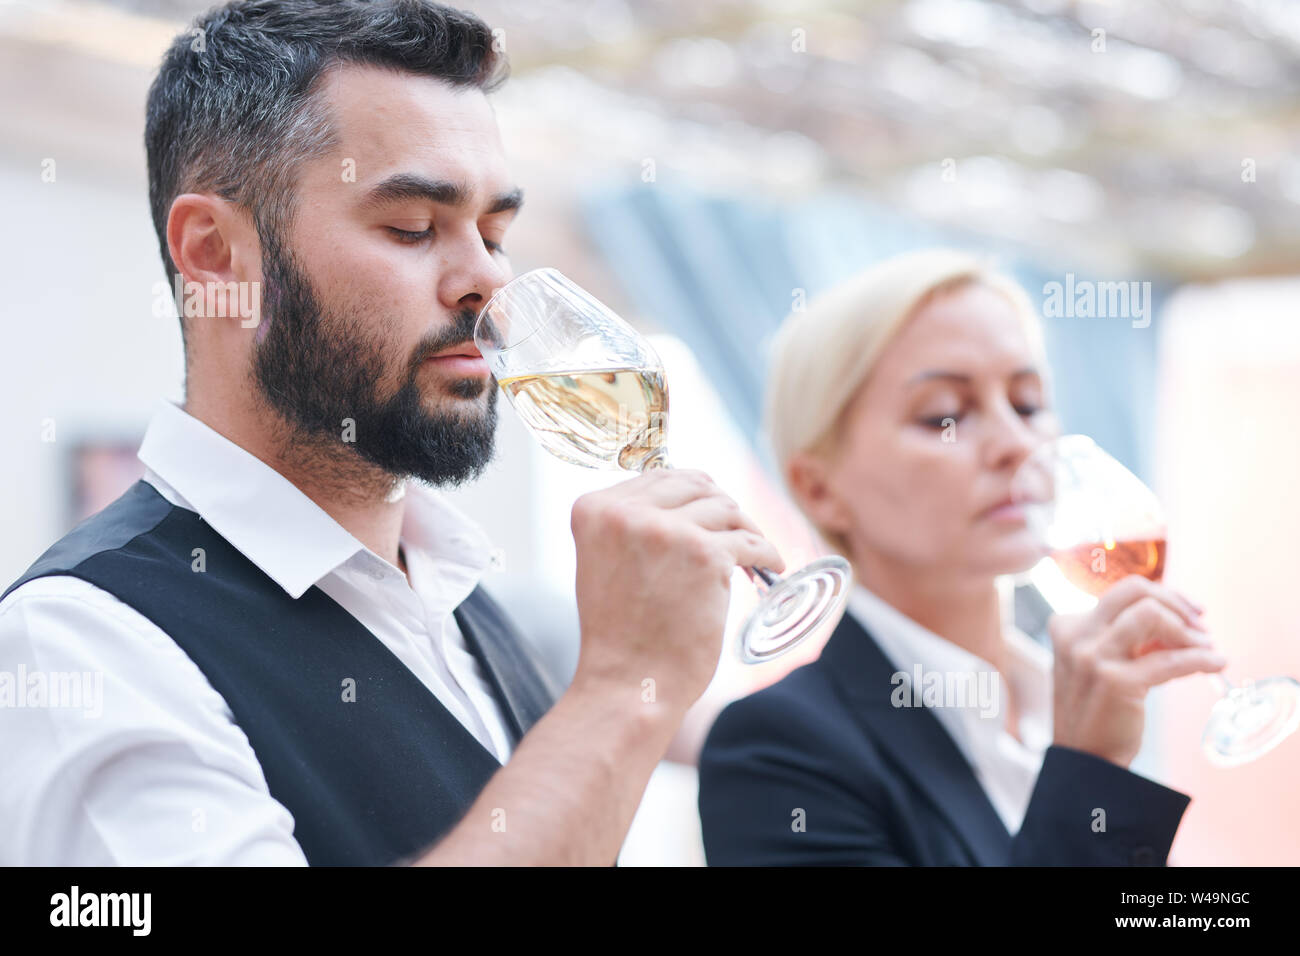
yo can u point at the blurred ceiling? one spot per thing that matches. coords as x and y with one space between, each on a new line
1153 136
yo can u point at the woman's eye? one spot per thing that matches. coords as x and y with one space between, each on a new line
493 246
404 235
941 421
1027 410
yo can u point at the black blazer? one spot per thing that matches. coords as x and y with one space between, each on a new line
880 785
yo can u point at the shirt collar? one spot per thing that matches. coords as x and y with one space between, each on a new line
271 522
433 525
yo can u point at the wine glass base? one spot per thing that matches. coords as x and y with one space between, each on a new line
794 608
1252 719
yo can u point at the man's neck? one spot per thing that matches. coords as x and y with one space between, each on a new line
366 501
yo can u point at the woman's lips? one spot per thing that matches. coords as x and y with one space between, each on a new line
460 364
1005 511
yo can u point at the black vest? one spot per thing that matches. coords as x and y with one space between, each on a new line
371 781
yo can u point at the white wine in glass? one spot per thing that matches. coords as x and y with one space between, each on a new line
1099 523
593 392
595 417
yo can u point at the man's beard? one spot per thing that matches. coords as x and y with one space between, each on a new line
318 371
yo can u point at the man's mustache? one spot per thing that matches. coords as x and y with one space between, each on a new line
460 332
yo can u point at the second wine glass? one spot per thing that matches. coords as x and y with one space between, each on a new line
592 390
1099 523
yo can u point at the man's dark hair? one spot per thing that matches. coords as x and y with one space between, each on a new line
235 108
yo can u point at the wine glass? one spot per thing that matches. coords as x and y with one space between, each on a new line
1099 523
592 391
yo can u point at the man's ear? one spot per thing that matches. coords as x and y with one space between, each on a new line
809 478
213 244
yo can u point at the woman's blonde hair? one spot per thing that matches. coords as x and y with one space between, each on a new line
822 355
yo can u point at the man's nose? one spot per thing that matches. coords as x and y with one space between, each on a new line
471 274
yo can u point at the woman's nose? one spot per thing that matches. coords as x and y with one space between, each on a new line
1013 437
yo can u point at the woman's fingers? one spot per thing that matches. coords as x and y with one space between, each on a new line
1160 666
1135 588
1187 609
1145 625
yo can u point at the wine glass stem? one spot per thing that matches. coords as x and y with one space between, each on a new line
656 460
660 460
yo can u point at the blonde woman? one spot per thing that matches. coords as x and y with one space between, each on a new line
899 406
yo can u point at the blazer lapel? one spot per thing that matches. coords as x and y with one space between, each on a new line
915 741
523 686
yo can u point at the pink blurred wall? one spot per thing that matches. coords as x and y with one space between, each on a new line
1229 473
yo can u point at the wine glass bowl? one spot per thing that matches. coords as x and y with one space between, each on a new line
1093 517
584 382
593 392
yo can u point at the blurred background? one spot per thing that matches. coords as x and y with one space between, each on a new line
704 167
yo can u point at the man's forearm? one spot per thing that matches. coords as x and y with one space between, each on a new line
569 793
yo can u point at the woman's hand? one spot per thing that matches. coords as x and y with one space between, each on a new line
1140 634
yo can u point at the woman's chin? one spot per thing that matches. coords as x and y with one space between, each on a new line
1012 556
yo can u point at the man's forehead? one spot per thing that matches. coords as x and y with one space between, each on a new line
366 102
388 121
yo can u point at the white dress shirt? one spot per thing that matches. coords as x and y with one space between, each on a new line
1006 768
162 774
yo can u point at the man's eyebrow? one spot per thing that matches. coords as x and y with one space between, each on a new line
512 199
446 192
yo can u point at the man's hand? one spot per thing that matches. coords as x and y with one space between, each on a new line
655 561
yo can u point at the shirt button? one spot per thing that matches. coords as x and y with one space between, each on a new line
1144 856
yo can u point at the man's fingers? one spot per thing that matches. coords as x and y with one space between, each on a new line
717 513
691 495
669 488
750 549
